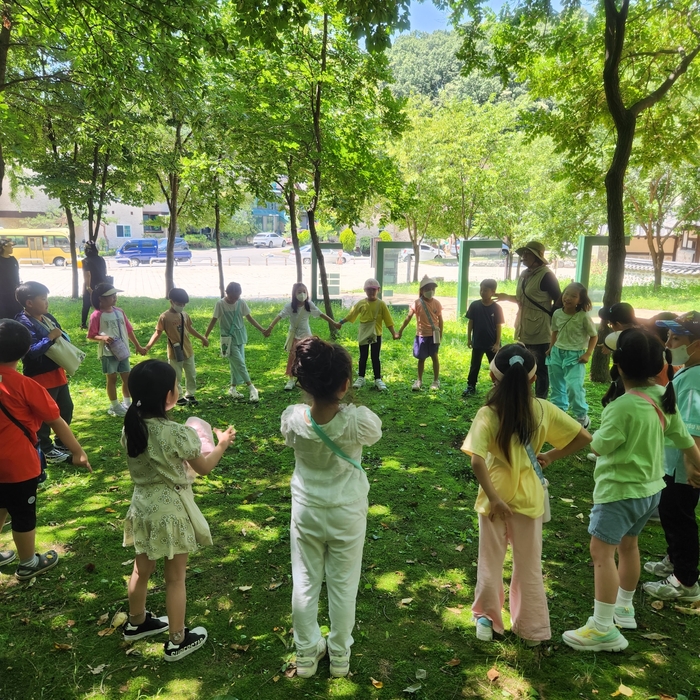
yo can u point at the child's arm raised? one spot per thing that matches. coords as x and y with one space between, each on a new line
65 435
406 321
499 508
205 463
581 440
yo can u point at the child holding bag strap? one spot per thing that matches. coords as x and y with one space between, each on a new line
428 313
329 502
510 503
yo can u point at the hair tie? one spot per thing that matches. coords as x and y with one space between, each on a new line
516 359
138 404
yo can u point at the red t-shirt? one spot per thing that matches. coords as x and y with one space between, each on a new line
31 405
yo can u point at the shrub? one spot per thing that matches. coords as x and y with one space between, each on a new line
385 236
304 236
365 245
348 239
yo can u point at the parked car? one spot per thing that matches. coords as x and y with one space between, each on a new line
328 255
143 250
427 252
268 239
483 252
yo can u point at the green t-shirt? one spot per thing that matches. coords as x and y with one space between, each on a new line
687 386
574 331
630 443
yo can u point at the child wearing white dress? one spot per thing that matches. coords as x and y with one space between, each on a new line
329 502
163 521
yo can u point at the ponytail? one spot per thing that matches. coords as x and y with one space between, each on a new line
511 397
668 400
150 382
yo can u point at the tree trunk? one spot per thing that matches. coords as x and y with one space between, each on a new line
658 267
416 253
217 237
73 256
291 197
321 263
174 182
5 27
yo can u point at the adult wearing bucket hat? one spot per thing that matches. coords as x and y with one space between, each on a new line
536 294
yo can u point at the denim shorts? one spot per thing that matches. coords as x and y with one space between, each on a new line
610 522
111 365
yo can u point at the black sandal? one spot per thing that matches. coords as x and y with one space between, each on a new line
46 561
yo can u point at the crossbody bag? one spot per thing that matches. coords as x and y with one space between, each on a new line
436 331
118 347
653 403
227 340
367 331
547 515
329 443
62 351
178 350
28 435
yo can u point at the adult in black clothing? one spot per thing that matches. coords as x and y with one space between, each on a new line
9 280
94 273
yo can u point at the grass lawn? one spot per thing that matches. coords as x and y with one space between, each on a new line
419 567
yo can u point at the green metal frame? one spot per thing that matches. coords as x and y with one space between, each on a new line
465 249
583 259
314 266
379 268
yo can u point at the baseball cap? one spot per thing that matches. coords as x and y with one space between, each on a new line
686 324
621 312
611 339
536 248
371 283
426 281
109 291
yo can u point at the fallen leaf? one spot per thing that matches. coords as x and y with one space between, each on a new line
376 683
459 547
62 647
127 562
567 500
655 636
97 669
32 581
123 688
133 651
686 611
406 601
25 620
455 611
453 662
623 690
70 623
413 688
275 679
275 585
119 619
580 516
102 619
423 425
105 632
290 672
243 589
421 673
110 510
657 604
493 675
240 647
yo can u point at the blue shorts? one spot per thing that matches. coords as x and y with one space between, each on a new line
610 522
111 365
423 348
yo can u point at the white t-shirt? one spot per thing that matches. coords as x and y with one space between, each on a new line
321 478
299 321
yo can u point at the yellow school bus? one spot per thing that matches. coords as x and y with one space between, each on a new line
33 245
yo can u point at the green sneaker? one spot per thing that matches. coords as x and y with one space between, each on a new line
672 589
590 638
624 617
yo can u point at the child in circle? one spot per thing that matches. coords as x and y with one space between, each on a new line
428 313
628 482
679 498
503 442
372 312
298 311
163 521
177 326
232 310
110 327
483 331
574 338
329 502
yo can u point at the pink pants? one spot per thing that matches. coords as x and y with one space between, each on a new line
528 602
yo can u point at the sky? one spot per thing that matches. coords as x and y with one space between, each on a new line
425 17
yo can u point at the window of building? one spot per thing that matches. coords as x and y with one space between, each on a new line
123 231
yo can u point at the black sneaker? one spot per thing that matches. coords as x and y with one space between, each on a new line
55 455
193 640
469 391
150 626
182 401
192 401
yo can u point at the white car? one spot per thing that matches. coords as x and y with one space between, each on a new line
268 239
328 255
427 252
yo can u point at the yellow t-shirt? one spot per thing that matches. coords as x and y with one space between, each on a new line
517 482
366 310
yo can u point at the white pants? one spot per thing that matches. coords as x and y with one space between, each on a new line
190 375
326 541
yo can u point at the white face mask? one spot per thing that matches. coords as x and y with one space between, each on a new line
178 307
301 296
679 355
429 294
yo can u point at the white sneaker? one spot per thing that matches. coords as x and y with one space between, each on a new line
234 393
359 383
591 457
659 568
253 397
590 638
624 617
307 665
417 385
340 665
435 385
484 629
381 386
117 410
290 384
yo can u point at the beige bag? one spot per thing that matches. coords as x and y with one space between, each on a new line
367 331
63 352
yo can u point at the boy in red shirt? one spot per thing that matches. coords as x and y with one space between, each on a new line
24 406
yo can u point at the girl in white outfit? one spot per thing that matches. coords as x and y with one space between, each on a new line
329 502
298 311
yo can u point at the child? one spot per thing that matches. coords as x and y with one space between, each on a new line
628 481
574 338
177 326
298 311
109 326
372 312
163 521
44 329
679 498
483 331
503 440
24 406
232 310
428 312
329 502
